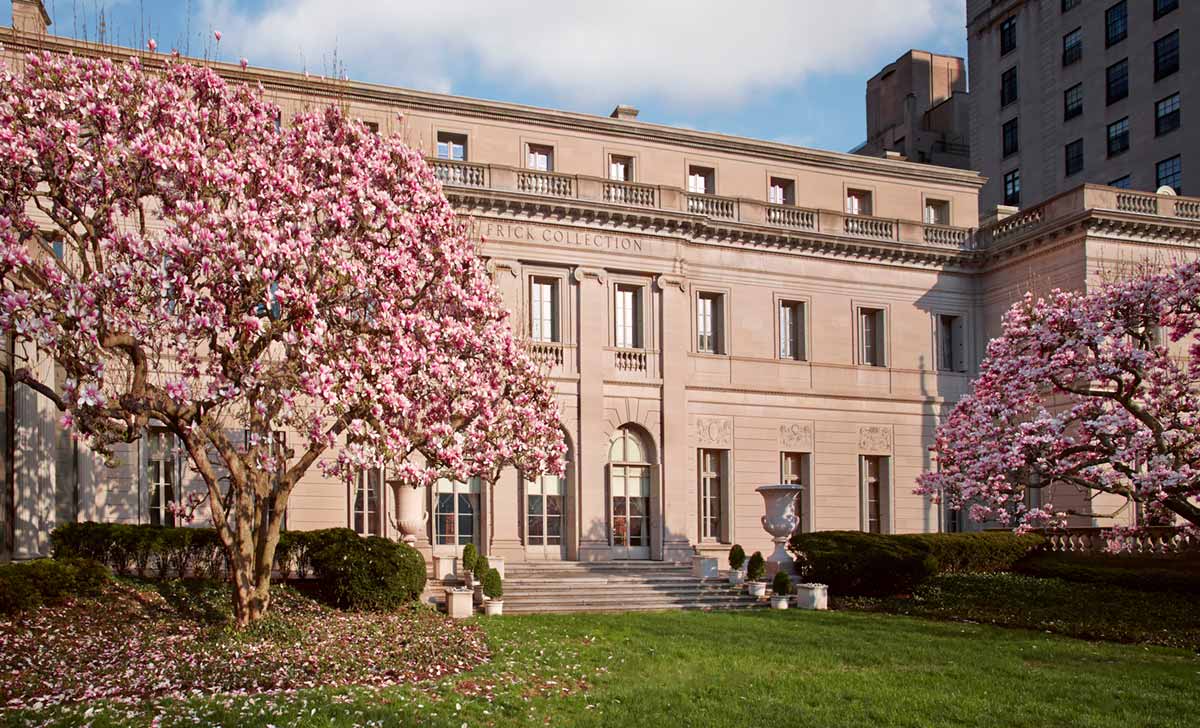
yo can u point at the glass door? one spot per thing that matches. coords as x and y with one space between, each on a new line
455 516
544 517
630 486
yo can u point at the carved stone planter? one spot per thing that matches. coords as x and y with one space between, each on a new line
493 607
459 603
443 567
812 596
756 588
780 521
779 602
705 567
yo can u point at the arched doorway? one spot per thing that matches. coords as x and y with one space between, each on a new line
629 487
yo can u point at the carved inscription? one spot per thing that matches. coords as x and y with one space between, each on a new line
560 236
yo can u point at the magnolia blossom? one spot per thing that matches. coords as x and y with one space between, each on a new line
1096 391
223 275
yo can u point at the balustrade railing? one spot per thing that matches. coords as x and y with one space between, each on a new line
462 174
1187 209
627 193
722 208
632 360
950 236
869 227
1145 204
1156 540
547 353
545 183
791 217
1011 225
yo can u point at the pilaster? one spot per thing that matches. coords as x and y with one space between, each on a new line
677 488
592 500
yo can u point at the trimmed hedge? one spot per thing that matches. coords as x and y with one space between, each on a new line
351 571
861 564
493 585
369 573
1179 575
986 551
30 584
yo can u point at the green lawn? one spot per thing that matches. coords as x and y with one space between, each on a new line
735 669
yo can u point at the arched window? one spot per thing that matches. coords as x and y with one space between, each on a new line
629 494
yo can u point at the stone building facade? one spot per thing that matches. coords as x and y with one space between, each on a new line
1066 92
716 313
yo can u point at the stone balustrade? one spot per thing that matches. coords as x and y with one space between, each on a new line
547 353
628 193
1133 202
1156 540
796 218
631 360
861 226
719 208
546 183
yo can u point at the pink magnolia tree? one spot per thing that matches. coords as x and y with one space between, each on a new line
1093 390
228 279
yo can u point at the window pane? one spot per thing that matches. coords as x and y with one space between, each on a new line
554 505
535 529
535 505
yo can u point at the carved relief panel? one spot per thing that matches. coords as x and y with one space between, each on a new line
875 439
714 432
796 436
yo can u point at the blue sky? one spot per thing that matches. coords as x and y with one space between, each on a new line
787 70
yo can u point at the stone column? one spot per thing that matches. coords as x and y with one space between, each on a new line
592 503
505 538
677 489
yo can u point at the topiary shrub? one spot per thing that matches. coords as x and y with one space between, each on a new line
470 555
853 563
781 584
481 566
987 551
737 557
369 573
493 585
756 568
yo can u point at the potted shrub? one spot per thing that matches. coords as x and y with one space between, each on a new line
493 589
756 568
782 586
470 555
737 560
482 567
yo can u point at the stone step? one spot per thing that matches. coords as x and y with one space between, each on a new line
567 590
624 604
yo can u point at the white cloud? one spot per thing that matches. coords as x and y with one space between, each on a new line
691 52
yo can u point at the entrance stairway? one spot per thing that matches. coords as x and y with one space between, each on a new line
615 586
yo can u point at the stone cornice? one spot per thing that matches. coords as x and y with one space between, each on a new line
407 99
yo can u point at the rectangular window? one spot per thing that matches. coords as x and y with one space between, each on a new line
702 180
1073 102
872 337
452 146
1169 173
1011 137
781 191
937 212
1008 86
1012 188
1072 47
162 476
620 168
791 330
543 309
1166 115
793 470
873 471
1166 55
1070 4
1121 183
1116 79
1008 36
368 494
710 337
540 157
1074 157
1116 24
712 466
627 317
858 202
456 511
1162 7
951 349
1118 137
544 510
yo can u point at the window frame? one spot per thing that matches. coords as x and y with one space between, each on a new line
884 498
1073 151
1008 35
1160 12
1005 99
437 145
160 510
710 179
1121 136
1069 111
1175 113
1013 125
1072 52
1128 183
944 203
861 193
556 297
1011 178
373 524
1111 21
638 326
1178 173
882 342
551 157
788 188
719 319
1109 97
959 363
706 478
1159 72
804 478
801 339
627 161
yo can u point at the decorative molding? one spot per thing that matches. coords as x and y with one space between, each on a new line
496 266
582 273
875 439
714 432
797 436
671 280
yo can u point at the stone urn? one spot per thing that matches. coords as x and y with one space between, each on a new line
780 521
410 511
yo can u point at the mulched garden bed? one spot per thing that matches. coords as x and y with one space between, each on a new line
138 642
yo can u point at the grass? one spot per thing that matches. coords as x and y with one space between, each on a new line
1088 610
735 669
